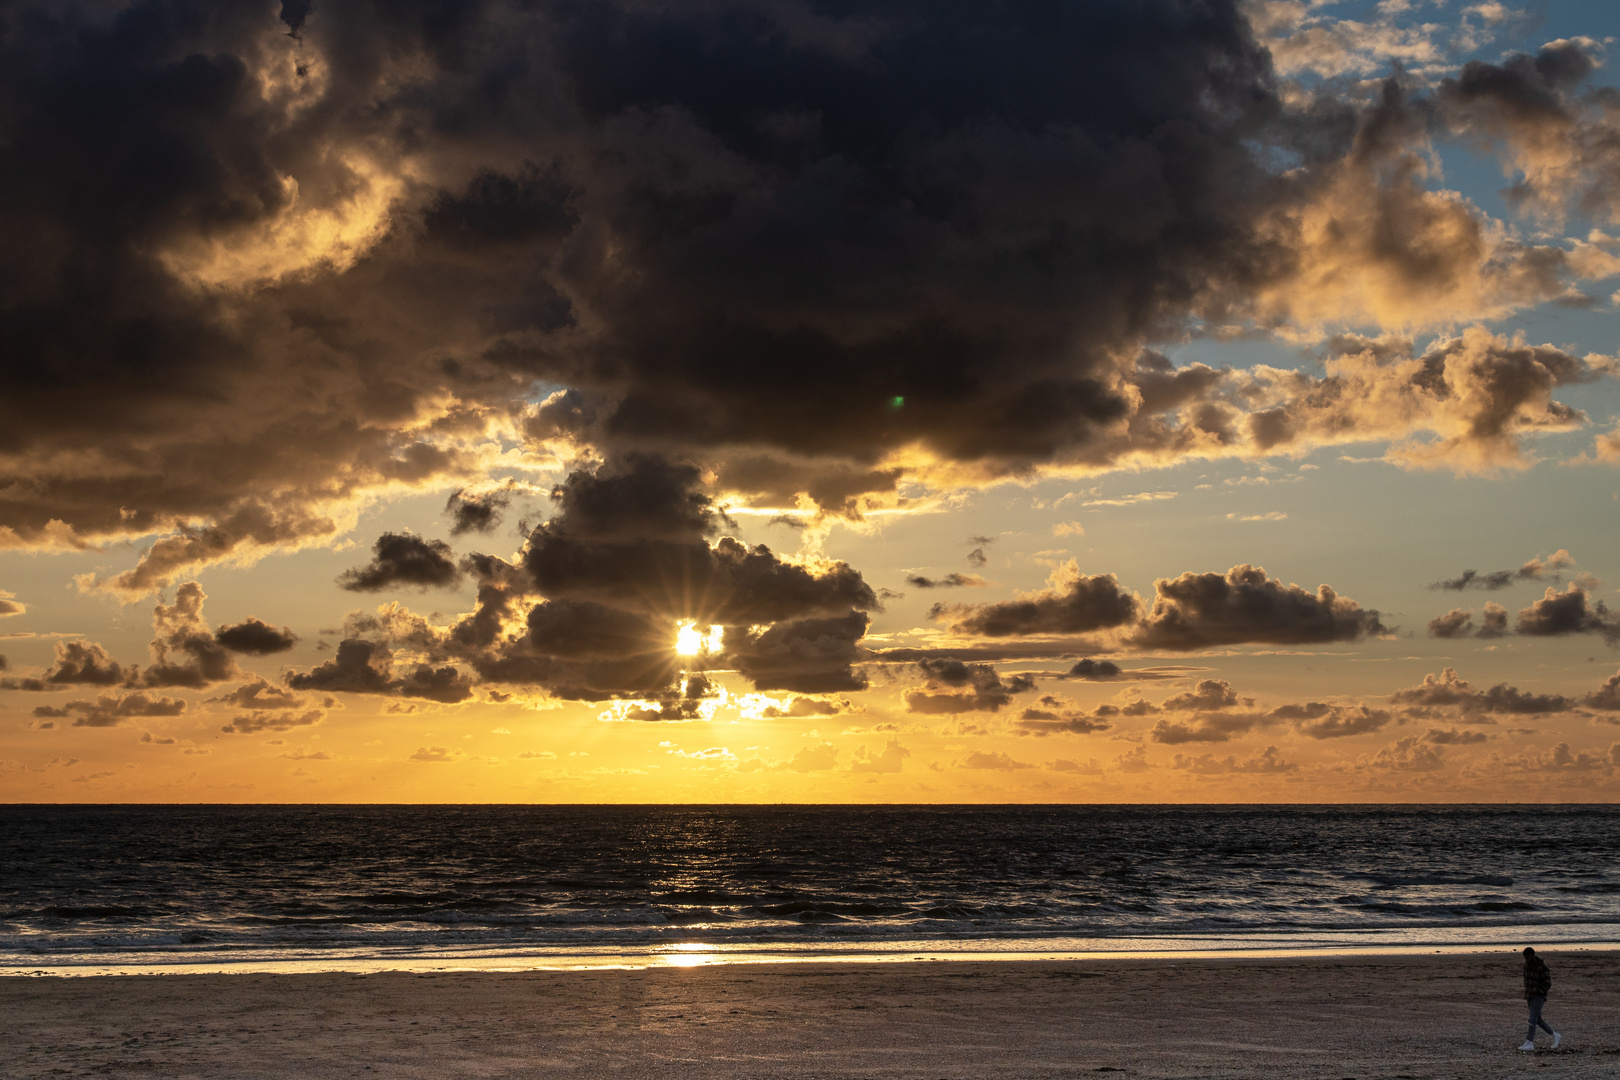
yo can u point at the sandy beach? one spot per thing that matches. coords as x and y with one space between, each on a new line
1321 1017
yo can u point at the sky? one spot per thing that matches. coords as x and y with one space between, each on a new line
768 401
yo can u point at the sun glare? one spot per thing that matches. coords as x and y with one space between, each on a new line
690 641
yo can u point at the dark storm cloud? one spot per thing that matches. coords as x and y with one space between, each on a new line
1095 670
640 203
401 559
599 591
255 638
1075 604
1196 611
955 687
261 269
633 535
808 656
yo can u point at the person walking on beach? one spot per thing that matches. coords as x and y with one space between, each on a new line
1537 982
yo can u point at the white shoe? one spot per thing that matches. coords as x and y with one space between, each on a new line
1557 1038
1528 1045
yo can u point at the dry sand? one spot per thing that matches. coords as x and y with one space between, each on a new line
1323 1017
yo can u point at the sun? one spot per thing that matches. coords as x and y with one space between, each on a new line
690 641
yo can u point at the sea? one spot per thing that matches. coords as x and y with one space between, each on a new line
106 889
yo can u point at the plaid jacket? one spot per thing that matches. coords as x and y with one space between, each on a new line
1537 978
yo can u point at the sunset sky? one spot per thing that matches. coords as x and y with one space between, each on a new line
761 400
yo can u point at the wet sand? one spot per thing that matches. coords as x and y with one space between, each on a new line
1322 1018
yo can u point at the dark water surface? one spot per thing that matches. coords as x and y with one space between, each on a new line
190 884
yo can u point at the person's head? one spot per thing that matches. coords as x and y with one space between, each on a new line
1528 952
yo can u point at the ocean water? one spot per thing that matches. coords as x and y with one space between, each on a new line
93 888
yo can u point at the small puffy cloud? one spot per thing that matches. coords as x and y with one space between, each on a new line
1268 762
1072 603
956 687
110 710
1454 737
266 720
1053 719
1210 728
1411 754
255 638
77 663
1095 670
1569 612
304 753
1317 721
1562 758
358 667
1208 696
1196 611
10 605
260 693
980 759
480 508
1448 690
1089 767
890 760
949 581
1537 569
403 559
184 650
795 706
1133 761
818 758
1455 623
435 754
1459 623
1605 697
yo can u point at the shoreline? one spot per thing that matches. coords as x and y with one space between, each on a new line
710 955
1300 1018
